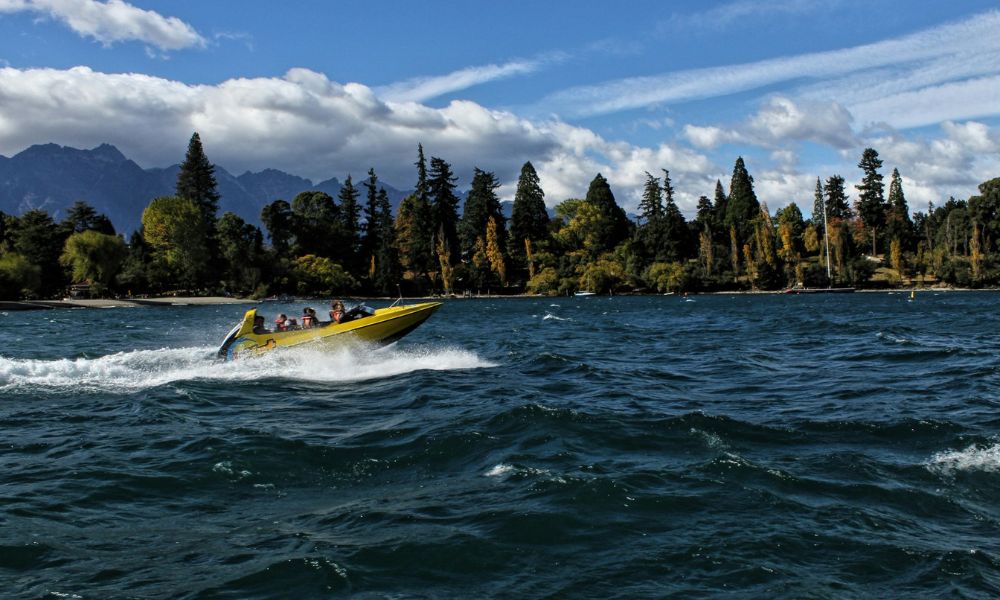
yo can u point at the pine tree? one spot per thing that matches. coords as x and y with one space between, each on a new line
196 180
819 207
742 206
386 254
370 229
529 220
350 216
651 204
720 204
871 201
705 214
899 226
415 225
836 200
444 208
650 230
83 217
481 204
675 230
614 224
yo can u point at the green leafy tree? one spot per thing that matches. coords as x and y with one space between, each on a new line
178 236
133 277
321 276
317 225
36 237
414 235
278 218
985 209
871 200
19 277
94 256
196 180
241 245
415 225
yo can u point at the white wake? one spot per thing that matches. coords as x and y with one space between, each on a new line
141 369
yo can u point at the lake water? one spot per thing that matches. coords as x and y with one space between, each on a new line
761 446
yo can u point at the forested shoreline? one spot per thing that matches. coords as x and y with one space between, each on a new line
353 244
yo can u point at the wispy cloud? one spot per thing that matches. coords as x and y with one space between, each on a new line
420 89
722 16
113 21
940 55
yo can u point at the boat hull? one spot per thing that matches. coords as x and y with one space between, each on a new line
385 326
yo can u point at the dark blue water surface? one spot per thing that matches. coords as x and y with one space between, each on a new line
762 446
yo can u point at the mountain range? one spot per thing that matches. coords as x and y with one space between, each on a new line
51 177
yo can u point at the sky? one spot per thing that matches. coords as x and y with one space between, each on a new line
798 88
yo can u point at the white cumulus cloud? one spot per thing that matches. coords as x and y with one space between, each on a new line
113 21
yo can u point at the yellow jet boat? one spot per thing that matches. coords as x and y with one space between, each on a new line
380 326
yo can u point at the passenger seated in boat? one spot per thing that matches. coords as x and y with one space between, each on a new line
258 325
308 318
337 312
281 323
292 325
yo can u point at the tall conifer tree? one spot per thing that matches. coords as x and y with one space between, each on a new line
529 220
871 200
350 216
370 229
444 208
196 180
819 207
614 223
742 206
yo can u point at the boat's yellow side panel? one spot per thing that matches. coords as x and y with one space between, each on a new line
385 325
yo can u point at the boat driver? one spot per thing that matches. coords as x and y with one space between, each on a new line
258 325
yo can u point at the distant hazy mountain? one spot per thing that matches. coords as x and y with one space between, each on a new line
52 177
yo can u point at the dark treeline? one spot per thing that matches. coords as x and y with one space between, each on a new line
317 244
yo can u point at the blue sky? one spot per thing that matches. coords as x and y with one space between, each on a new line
797 87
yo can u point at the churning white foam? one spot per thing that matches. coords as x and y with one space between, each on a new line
141 369
973 458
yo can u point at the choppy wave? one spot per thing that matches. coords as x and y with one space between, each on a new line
140 369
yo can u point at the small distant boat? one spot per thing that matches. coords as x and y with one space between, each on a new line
913 295
584 294
380 326
805 290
